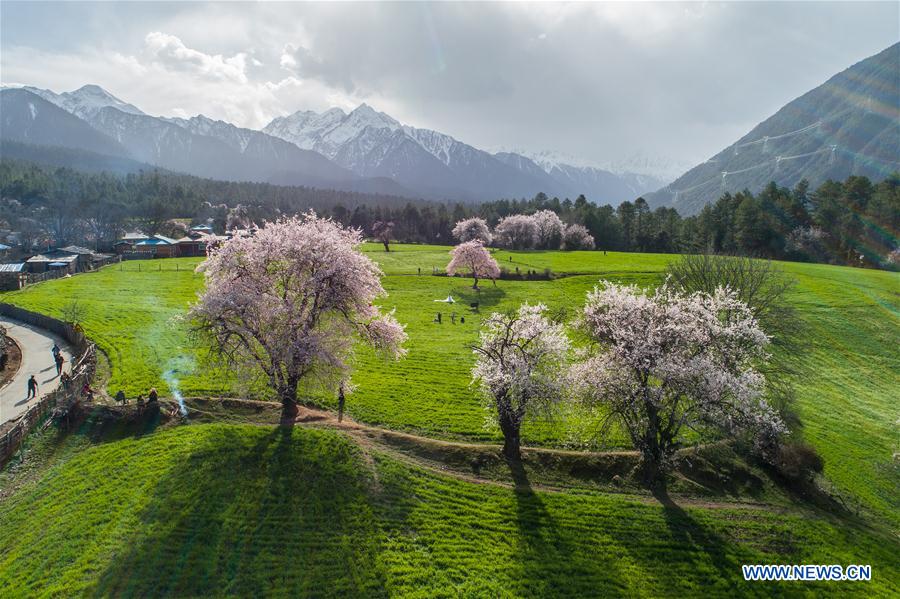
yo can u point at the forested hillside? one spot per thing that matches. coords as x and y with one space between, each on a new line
851 222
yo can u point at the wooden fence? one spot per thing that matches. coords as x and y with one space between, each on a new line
84 365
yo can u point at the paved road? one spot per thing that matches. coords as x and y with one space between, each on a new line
37 359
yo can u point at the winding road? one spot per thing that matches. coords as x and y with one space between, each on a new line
37 359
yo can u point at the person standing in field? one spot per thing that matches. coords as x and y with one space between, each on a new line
32 387
341 403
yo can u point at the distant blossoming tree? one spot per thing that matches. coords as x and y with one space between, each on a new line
471 229
291 300
519 364
577 237
893 258
668 362
549 229
472 257
383 230
518 232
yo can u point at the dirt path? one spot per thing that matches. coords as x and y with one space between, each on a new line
367 437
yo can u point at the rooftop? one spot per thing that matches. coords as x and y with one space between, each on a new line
16 267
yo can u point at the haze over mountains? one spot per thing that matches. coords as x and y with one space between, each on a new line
849 125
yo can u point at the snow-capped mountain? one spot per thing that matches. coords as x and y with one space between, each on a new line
580 177
372 143
85 101
93 120
662 168
28 118
364 149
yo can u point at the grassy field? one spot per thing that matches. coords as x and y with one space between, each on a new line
847 388
228 510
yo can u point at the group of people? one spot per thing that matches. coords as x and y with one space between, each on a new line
152 397
58 360
64 377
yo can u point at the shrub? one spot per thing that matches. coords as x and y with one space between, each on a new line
798 461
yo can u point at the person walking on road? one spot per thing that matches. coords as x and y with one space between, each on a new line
55 349
32 387
59 363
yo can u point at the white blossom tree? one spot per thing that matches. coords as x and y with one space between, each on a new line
577 237
549 229
471 229
472 257
666 363
518 232
519 368
291 300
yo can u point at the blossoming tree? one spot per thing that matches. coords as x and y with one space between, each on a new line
577 237
291 300
471 229
518 232
472 257
518 367
383 230
549 229
668 362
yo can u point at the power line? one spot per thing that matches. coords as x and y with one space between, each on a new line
767 138
775 162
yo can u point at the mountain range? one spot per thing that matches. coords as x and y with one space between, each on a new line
849 125
360 150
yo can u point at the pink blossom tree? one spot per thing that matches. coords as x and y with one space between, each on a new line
518 232
472 257
549 229
471 229
383 230
577 237
291 300
669 362
518 368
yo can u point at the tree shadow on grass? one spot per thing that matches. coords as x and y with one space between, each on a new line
282 512
700 543
552 561
488 295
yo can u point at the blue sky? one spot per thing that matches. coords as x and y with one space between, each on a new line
596 81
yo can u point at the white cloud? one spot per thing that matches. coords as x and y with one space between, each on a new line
287 60
170 52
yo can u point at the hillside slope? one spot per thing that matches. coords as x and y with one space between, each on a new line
849 125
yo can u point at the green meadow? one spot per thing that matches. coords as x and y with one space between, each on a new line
230 510
215 497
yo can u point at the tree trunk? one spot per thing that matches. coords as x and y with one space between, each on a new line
652 450
475 284
289 408
386 246
511 440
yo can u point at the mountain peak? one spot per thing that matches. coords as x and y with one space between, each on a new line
85 101
365 115
94 90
